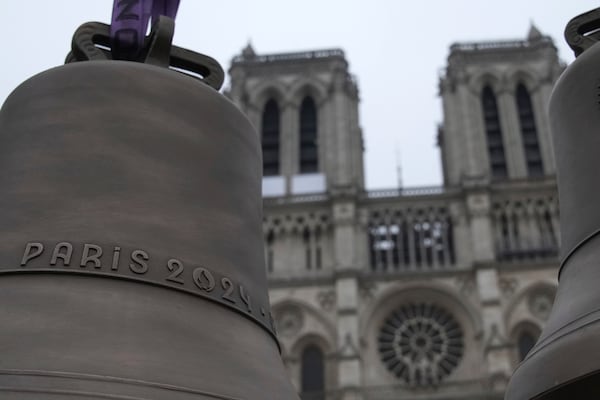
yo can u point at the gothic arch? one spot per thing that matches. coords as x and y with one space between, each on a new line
311 339
328 340
327 365
528 116
491 116
306 86
267 90
529 291
323 338
525 324
524 329
522 76
481 79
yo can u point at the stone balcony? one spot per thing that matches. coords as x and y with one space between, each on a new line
411 230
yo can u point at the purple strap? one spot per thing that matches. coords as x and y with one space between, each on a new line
129 24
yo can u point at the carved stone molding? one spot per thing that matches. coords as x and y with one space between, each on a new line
540 304
495 339
508 286
465 284
289 320
327 299
366 290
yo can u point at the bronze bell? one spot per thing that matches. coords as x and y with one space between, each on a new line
131 258
564 364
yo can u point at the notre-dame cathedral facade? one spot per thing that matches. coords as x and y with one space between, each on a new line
410 293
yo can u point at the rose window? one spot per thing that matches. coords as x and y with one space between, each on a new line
421 343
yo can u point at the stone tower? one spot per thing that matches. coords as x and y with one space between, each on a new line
305 106
494 97
433 292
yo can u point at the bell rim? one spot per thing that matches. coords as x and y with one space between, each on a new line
531 380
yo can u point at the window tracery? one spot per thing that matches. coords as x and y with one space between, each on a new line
309 160
421 343
493 130
526 228
311 230
533 157
270 138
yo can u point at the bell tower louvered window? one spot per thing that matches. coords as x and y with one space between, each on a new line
270 138
493 132
309 161
531 146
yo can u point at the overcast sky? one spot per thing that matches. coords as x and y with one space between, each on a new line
395 48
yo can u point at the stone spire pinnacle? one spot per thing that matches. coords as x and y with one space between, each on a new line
248 51
534 32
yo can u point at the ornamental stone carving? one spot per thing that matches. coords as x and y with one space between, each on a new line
326 299
289 320
540 304
421 343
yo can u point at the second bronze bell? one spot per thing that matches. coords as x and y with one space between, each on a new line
563 364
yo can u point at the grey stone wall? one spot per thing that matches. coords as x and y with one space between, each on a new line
473 261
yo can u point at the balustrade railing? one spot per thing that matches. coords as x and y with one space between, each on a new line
413 229
304 55
409 192
526 228
493 45
369 194
410 239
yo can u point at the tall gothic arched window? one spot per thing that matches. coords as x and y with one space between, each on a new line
269 250
307 247
529 135
309 160
493 132
525 343
270 138
313 373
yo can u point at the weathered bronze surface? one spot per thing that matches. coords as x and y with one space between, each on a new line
131 259
564 363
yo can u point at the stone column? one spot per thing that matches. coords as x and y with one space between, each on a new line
341 128
473 146
511 133
539 100
346 287
288 136
496 350
463 249
356 144
326 142
482 238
